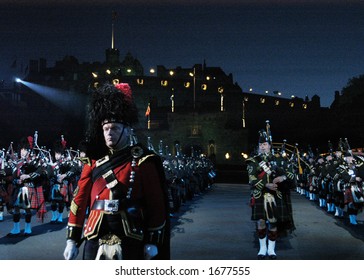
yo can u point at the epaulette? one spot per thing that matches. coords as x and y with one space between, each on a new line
85 160
102 160
143 159
138 153
250 159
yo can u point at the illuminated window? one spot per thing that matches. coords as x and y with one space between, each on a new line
244 155
276 102
187 84
222 107
140 81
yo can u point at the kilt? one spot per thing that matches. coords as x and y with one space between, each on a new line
37 201
67 191
283 210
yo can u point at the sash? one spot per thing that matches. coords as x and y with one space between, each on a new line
110 162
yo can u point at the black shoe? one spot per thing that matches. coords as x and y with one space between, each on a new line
272 257
261 257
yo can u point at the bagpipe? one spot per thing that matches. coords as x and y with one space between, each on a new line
355 187
71 155
291 153
43 156
150 145
9 158
3 159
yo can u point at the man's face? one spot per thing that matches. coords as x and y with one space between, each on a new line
24 153
349 159
264 148
57 156
115 135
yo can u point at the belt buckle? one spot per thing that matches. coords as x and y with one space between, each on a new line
111 205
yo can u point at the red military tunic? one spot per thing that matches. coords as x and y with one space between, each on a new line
146 189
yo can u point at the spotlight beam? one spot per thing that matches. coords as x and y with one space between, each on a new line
68 101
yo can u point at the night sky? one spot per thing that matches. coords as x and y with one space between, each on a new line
300 48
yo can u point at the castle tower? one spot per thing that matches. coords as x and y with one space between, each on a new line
113 54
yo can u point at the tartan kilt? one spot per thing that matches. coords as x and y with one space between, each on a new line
64 191
70 192
37 200
284 209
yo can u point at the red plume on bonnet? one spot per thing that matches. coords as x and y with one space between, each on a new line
63 142
125 89
30 141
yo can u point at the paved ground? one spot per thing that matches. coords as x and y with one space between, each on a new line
216 226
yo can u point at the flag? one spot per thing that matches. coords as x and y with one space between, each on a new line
147 112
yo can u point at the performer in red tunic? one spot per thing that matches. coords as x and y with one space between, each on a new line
121 188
